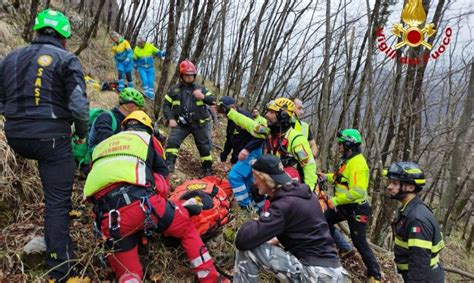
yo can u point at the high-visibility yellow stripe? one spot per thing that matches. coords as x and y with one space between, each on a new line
420 243
439 246
404 266
199 103
420 181
176 102
413 171
173 151
204 120
204 158
434 260
401 243
168 98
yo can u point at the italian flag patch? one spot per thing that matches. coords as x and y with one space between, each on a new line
415 229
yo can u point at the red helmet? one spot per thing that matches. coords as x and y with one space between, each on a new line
186 67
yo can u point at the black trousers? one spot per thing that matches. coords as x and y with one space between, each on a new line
357 216
201 138
435 276
56 168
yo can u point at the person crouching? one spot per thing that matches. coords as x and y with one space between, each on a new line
295 221
128 187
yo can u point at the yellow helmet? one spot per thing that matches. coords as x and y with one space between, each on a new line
282 104
141 117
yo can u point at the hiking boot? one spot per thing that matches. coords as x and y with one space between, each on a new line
206 172
206 168
170 161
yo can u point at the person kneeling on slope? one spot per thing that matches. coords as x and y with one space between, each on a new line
128 187
294 220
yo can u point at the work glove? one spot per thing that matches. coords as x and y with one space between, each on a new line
161 54
261 129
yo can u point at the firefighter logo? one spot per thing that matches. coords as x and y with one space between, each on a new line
414 32
196 186
413 15
45 60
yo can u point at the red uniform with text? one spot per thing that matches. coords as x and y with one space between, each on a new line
125 208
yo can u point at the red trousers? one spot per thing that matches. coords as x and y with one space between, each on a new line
132 219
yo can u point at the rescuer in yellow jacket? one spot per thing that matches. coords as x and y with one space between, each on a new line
123 57
144 63
281 139
350 200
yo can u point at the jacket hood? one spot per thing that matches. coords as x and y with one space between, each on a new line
294 190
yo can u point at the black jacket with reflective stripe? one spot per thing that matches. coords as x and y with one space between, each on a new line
238 139
418 240
180 101
42 91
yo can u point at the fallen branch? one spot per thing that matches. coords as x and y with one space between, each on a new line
458 271
380 249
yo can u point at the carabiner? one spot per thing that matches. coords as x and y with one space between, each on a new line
115 214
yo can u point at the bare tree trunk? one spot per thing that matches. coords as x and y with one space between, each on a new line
203 34
109 15
235 66
322 136
82 6
447 200
140 21
173 21
95 22
119 19
130 23
469 241
28 31
220 58
188 39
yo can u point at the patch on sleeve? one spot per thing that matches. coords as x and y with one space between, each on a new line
301 154
416 229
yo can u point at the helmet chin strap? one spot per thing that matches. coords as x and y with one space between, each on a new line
279 127
401 193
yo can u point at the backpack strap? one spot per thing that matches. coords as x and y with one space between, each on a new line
293 139
114 121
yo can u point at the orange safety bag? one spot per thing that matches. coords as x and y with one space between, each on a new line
212 194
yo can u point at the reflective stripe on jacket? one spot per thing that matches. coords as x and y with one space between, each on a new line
352 181
120 158
122 50
143 57
180 102
297 146
302 127
418 240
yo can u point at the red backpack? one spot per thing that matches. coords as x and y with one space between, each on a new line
211 192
